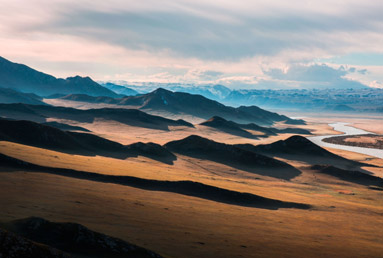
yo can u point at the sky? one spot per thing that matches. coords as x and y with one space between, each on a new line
240 44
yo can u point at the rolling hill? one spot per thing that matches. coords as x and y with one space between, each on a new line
241 129
227 127
188 188
133 117
299 148
47 137
356 177
231 155
25 79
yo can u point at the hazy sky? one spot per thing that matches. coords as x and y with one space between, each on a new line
242 43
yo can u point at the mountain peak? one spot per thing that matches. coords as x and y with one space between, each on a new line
216 119
161 91
298 140
78 77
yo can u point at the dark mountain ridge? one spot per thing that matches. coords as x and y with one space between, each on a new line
189 104
25 79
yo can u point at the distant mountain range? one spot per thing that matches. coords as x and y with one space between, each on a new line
216 92
363 99
25 79
325 100
180 103
120 89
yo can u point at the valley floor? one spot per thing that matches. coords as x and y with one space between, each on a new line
346 219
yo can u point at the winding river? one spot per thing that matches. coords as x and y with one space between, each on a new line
346 130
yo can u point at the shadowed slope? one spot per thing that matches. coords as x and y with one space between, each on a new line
299 148
133 117
12 96
188 188
356 177
291 130
47 137
233 128
227 127
76 239
151 150
66 127
15 246
92 99
202 148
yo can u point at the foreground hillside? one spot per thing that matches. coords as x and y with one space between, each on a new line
177 225
75 239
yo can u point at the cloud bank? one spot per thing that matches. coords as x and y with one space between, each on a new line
240 43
